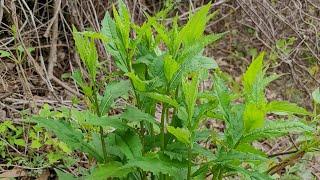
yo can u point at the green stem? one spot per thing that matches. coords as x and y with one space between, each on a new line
103 143
162 138
189 162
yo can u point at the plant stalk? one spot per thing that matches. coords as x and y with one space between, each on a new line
103 143
162 138
189 163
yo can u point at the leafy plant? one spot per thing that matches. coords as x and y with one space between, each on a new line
163 68
246 122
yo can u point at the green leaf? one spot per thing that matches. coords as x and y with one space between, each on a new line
114 46
316 95
195 63
162 98
155 165
35 144
201 171
87 51
196 49
170 67
19 142
222 94
77 77
253 117
94 35
237 156
21 49
88 118
134 114
123 22
275 129
112 91
254 70
66 133
253 175
138 84
129 144
183 135
247 147
64 175
4 53
190 91
113 169
285 108
195 27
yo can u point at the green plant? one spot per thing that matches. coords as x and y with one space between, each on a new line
246 122
164 67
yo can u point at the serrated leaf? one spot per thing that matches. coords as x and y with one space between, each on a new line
112 91
77 77
285 108
237 156
64 175
275 129
253 175
94 35
122 21
183 135
114 46
254 70
129 144
194 63
162 98
247 147
88 118
138 84
66 133
88 53
190 91
195 27
222 95
253 116
113 169
202 170
132 114
155 165
316 95
170 67
197 47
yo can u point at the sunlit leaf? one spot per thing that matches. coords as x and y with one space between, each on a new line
183 135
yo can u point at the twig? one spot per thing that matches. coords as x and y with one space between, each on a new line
58 81
57 5
1 10
283 164
282 153
54 38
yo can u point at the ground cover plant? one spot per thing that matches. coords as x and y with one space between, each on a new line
148 118
161 69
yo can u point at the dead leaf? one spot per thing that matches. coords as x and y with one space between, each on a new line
44 175
13 173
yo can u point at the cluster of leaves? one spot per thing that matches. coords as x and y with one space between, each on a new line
164 67
25 145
